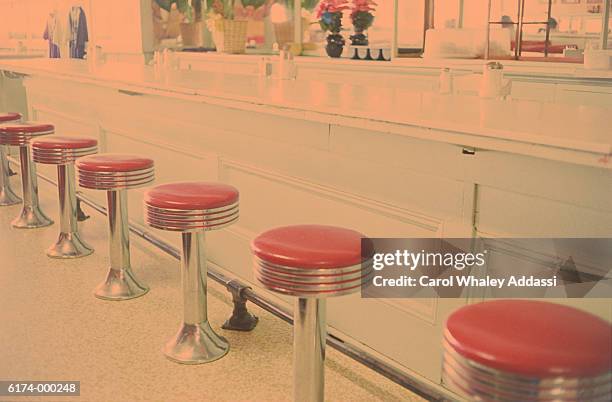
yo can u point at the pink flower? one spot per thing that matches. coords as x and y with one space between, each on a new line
331 6
363 5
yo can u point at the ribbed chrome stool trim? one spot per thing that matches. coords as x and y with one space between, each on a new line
115 180
312 283
472 394
494 385
21 138
322 272
311 279
191 220
60 156
190 212
521 380
484 383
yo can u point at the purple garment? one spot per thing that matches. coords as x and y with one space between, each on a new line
78 34
54 50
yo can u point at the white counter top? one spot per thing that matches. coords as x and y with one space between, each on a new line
532 70
577 134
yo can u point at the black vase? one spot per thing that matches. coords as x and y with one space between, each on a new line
359 39
335 45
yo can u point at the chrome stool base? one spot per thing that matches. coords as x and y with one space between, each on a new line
116 173
196 344
8 197
31 217
120 284
69 245
191 208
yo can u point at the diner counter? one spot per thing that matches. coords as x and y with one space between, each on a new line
390 161
578 134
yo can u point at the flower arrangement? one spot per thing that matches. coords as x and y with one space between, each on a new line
227 20
362 18
329 13
220 9
250 9
189 9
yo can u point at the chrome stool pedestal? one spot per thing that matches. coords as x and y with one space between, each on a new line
20 134
311 262
525 350
63 151
193 208
7 195
116 173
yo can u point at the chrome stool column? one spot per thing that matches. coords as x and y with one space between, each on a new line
20 134
117 173
524 350
193 208
63 151
7 195
311 262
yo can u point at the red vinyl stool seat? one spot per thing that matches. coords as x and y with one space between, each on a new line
7 195
117 173
312 262
521 350
193 208
309 260
9 116
20 134
63 151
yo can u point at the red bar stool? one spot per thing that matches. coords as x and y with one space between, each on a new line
311 262
63 151
20 134
117 173
7 195
521 350
193 208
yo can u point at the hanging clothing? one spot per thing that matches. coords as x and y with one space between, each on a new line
78 35
54 35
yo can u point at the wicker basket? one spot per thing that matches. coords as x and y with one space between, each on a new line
230 36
